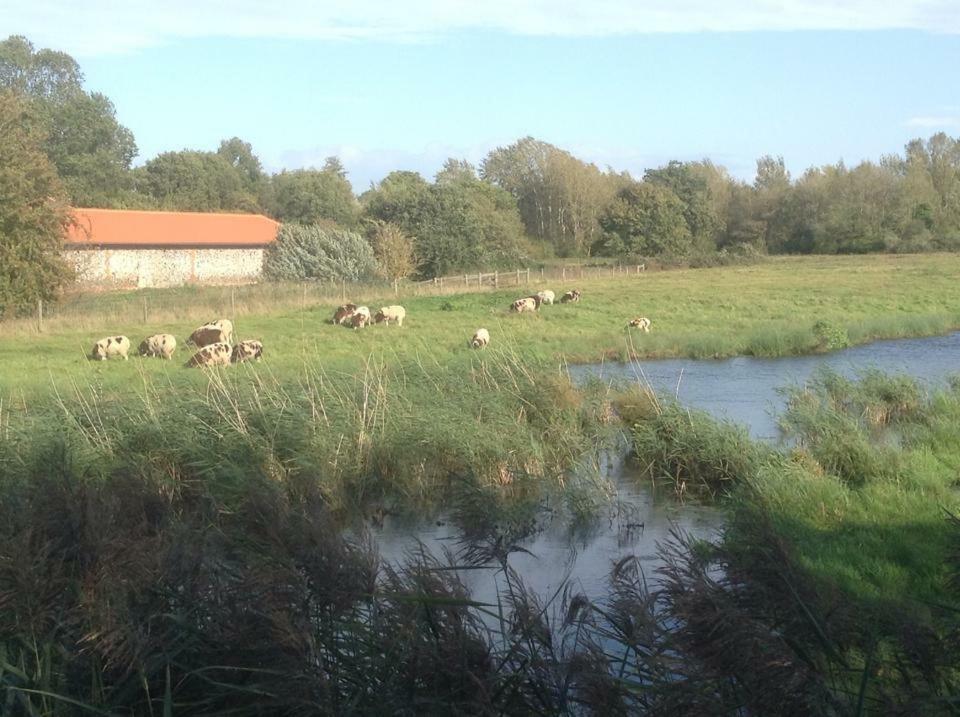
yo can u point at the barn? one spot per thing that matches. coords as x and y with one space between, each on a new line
123 249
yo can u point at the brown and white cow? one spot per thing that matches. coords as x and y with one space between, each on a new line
360 318
386 314
521 305
641 322
481 337
209 334
159 345
110 347
343 314
571 296
248 350
217 354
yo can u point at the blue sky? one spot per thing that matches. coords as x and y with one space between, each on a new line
621 84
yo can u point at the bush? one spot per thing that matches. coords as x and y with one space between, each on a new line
320 253
830 337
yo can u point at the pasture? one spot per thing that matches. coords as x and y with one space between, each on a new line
768 309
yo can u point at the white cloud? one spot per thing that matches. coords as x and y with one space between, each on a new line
116 26
934 122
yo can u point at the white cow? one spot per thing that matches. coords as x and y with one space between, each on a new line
546 296
159 345
386 314
481 337
109 347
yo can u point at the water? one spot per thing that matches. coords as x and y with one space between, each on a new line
744 390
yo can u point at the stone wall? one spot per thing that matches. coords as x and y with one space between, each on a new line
142 268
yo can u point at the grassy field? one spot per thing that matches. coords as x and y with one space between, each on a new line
167 533
768 309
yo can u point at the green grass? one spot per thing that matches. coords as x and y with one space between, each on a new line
768 309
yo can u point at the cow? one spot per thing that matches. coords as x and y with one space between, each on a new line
481 337
159 345
109 347
571 296
360 318
546 296
248 350
206 335
217 354
225 325
641 322
343 314
386 314
521 305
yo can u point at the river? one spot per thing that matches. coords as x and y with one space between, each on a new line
743 389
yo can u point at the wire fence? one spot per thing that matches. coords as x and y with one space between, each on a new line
169 305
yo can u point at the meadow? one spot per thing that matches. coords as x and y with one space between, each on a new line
171 540
767 309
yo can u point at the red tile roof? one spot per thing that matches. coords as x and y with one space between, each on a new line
135 228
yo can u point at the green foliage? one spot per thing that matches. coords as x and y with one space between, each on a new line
92 152
458 223
646 220
560 198
318 253
195 181
830 336
309 196
33 213
394 251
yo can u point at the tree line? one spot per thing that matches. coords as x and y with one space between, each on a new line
528 200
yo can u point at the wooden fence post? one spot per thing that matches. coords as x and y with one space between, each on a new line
40 315
466 283
144 310
518 277
441 283
563 273
528 276
396 286
541 274
233 302
496 280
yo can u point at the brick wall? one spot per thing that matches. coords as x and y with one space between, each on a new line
141 268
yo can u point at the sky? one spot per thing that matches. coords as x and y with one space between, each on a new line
626 84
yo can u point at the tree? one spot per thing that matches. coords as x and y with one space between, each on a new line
194 181
33 211
319 253
308 196
393 250
560 198
459 223
689 184
92 152
646 219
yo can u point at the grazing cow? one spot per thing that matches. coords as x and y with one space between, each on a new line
343 314
481 337
390 313
571 296
159 345
208 334
109 347
225 325
360 318
248 350
217 354
546 296
642 323
521 305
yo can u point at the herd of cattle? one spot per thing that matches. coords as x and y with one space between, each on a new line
214 340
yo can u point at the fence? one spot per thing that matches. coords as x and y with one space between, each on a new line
164 306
